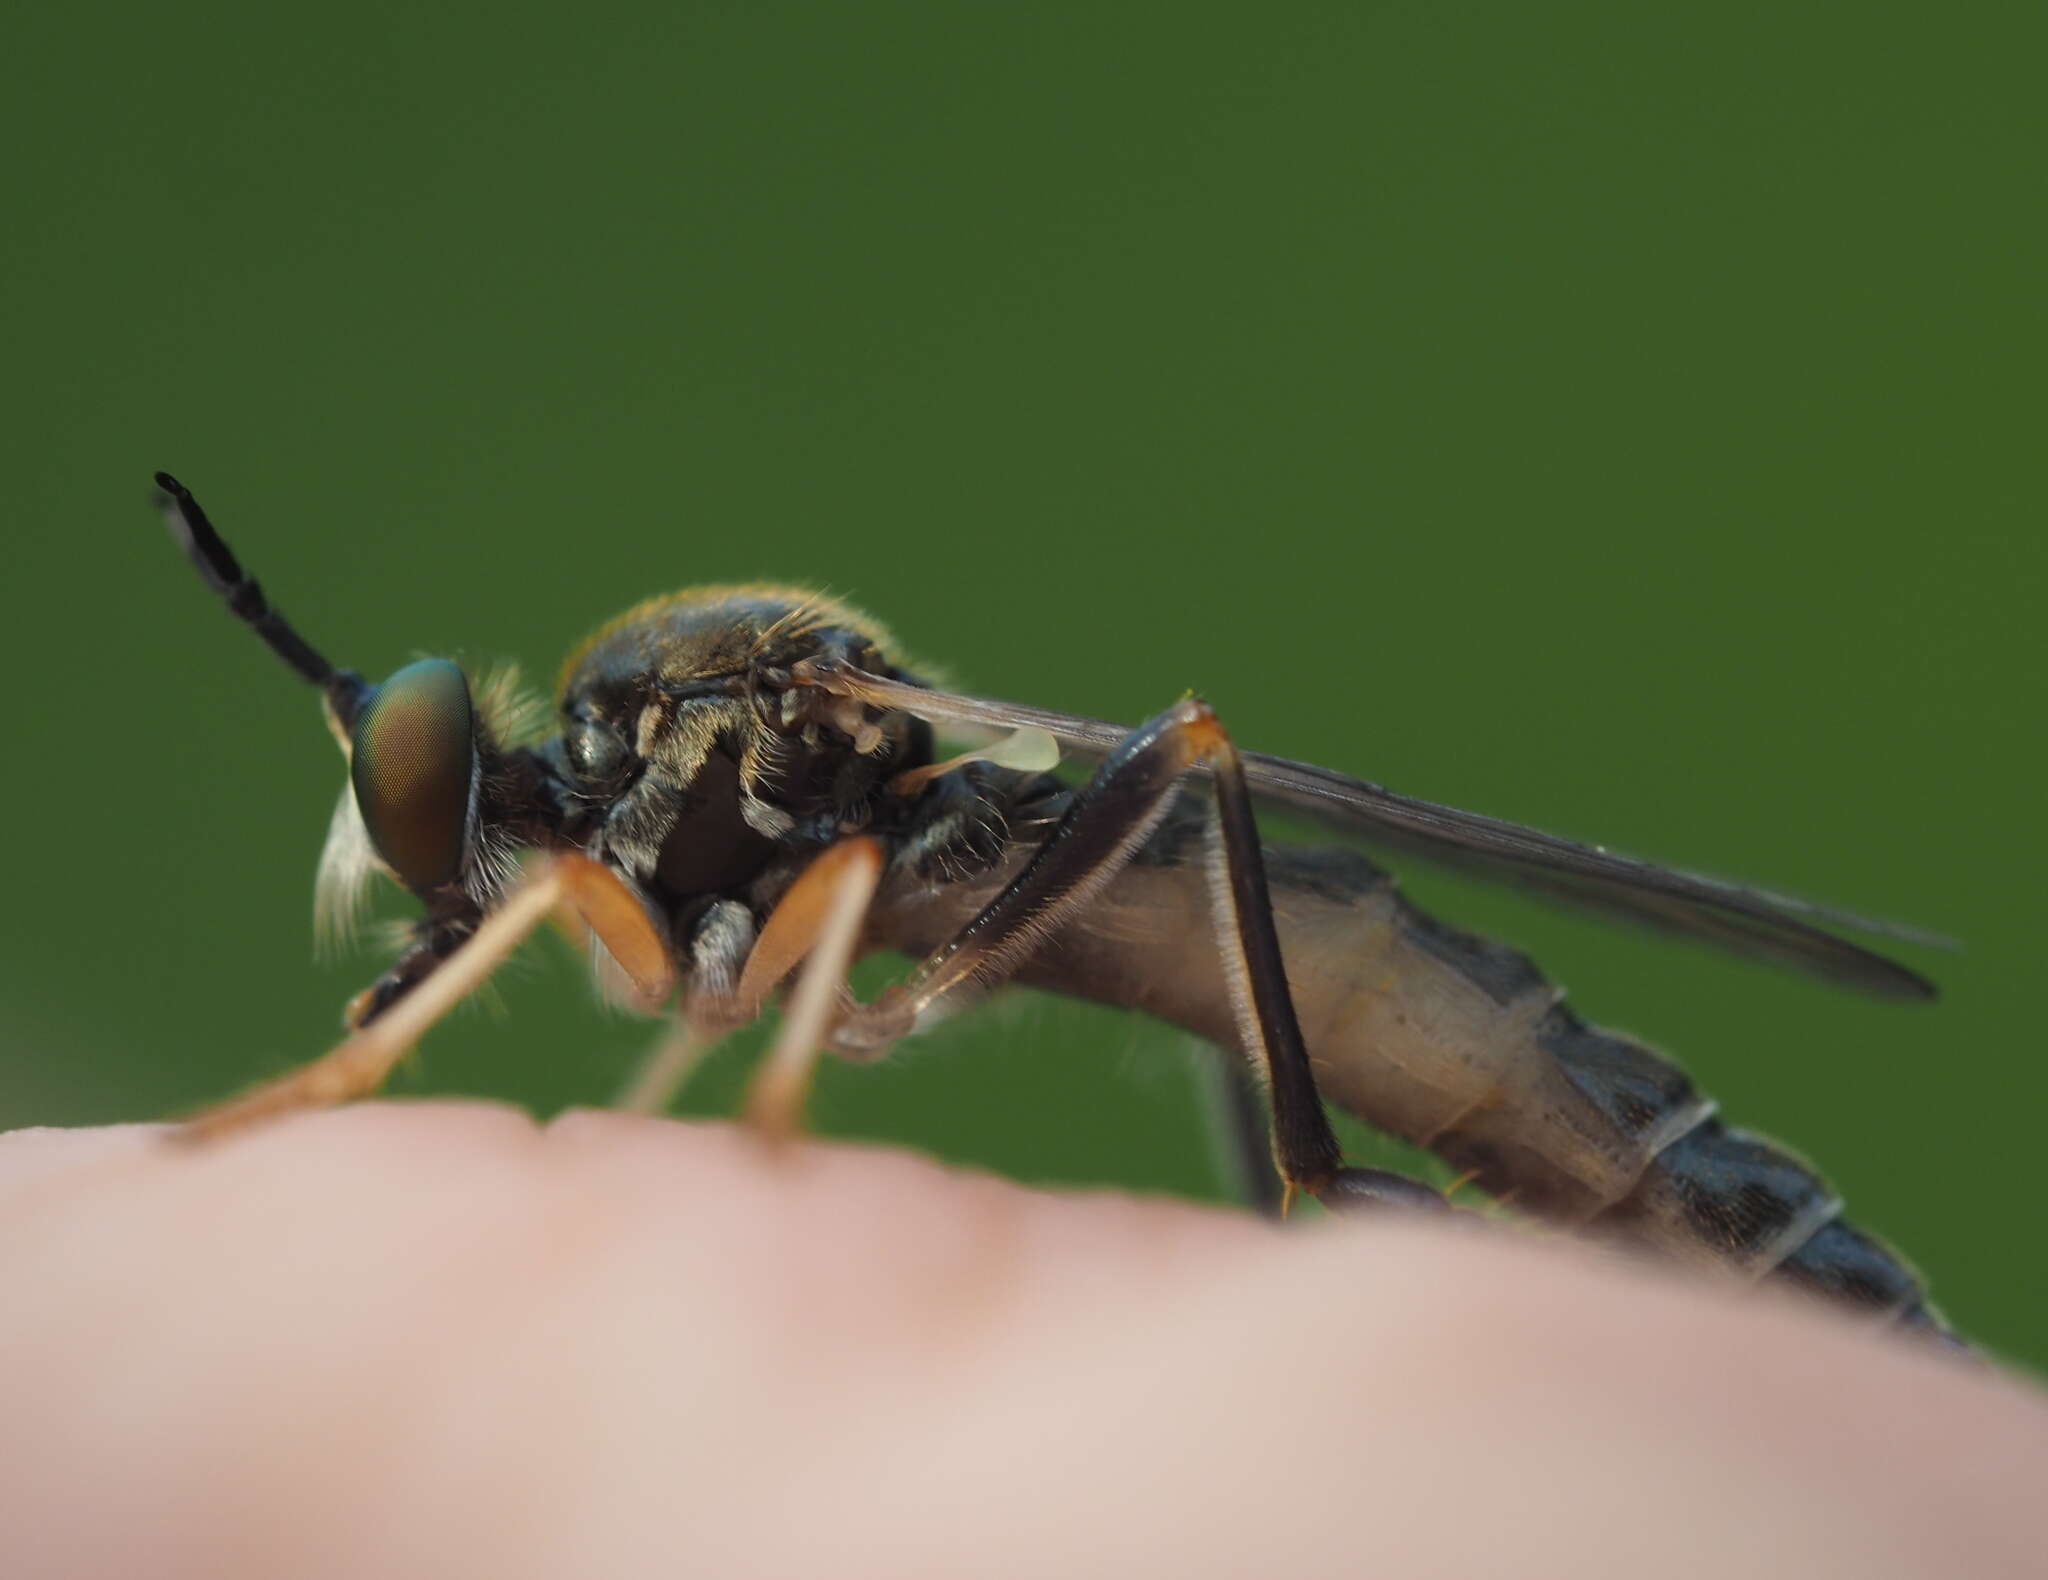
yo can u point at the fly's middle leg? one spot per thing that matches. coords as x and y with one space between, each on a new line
1104 826
826 906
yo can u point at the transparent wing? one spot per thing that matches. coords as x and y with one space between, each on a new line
1734 916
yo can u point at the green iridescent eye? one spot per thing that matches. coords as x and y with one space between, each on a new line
414 758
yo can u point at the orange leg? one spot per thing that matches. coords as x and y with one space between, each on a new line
665 1067
819 918
360 1064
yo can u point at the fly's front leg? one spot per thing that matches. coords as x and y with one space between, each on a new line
815 925
390 1018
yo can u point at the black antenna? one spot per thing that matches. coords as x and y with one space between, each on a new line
243 594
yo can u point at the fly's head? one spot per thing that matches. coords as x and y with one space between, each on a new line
684 758
445 792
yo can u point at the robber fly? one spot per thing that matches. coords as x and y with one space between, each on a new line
742 788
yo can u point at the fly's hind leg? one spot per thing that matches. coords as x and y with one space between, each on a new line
391 1017
1304 1147
1104 826
1242 1129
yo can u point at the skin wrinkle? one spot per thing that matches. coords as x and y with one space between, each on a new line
433 1338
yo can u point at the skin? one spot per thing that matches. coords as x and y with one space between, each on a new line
437 1339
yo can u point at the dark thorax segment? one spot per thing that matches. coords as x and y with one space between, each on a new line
692 764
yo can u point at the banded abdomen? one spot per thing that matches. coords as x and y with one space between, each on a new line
1461 1046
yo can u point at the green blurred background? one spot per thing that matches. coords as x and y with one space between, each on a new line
1619 418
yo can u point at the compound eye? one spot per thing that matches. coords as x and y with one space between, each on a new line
414 758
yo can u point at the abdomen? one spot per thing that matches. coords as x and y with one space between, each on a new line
1461 1046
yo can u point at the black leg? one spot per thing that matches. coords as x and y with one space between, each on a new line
1104 826
1107 820
1304 1147
1244 1140
1242 1132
